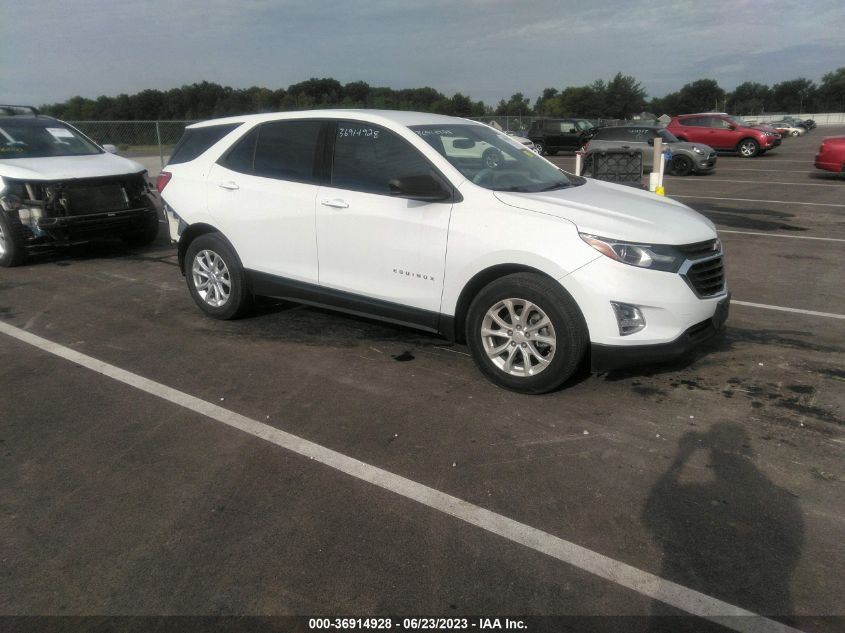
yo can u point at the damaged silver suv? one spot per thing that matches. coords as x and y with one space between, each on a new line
58 187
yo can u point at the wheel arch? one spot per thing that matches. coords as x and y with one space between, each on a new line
190 234
481 279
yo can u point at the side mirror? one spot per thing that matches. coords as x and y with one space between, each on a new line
651 141
424 188
111 149
731 127
463 143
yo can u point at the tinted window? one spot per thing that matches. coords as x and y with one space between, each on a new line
195 141
287 150
367 157
612 134
240 157
694 122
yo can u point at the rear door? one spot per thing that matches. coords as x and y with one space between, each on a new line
262 196
371 243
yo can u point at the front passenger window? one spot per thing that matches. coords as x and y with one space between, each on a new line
367 157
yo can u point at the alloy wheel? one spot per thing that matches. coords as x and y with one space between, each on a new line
211 278
518 337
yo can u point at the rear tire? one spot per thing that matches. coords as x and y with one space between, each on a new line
526 334
216 278
12 251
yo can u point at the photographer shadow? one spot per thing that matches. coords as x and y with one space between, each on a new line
725 529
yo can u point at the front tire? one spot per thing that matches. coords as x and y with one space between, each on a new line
680 165
216 278
525 333
540 147
748 148
12 251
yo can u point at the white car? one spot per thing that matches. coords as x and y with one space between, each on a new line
385 214
59 187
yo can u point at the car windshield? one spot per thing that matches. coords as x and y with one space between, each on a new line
667 136
40 138
494 160
583 124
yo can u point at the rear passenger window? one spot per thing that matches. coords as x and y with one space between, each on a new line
367 157
694 122
196 140
287 150
240 157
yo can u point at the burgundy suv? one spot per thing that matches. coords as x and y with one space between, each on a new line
723 132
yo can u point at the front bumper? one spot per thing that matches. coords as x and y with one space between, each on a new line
609 357
80 228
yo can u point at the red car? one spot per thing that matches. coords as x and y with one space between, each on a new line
723 132
831 154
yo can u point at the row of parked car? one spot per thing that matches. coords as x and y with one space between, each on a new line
692 139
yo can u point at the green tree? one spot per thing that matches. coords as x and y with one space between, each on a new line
624 96
749 98
831 92
795 95
517 105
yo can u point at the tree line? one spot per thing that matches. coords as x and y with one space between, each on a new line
617 98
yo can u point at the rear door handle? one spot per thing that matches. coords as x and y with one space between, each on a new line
336 203
228 184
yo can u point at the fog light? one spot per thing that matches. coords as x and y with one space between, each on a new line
628 318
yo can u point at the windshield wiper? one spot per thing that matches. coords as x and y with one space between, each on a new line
560 184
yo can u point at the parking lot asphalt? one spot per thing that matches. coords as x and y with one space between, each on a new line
721 472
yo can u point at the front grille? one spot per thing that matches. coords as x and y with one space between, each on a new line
707 278
700 249
95 199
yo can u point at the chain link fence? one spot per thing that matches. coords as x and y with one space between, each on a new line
136 139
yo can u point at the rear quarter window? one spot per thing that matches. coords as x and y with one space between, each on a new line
196 140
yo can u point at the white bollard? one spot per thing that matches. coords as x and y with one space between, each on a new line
655 179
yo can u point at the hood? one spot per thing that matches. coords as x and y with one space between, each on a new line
688 146
68 167
620 212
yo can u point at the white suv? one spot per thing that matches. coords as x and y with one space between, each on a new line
389 214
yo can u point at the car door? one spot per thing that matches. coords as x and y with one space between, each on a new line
262 194
721 133
371 243
570 135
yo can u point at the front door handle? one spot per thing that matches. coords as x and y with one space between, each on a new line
336 203
228 184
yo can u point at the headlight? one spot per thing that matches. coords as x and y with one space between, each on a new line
769 133
697 149
653 256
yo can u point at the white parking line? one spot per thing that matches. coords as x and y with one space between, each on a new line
828 315
810 204
809 171
757 182
617 572
793 237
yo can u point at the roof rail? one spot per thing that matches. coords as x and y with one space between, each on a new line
12 110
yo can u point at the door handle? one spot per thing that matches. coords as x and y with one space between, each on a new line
336 203
228 184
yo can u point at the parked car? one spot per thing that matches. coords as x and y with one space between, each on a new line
831 155
353 210
686 158
527 142
553 135
723 132
58 187
787 128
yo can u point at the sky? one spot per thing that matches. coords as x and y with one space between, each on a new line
52 50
